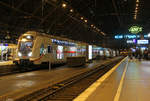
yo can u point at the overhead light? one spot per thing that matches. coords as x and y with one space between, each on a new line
103 33
85 21
137 1
19 54
98 30
30 54
81 18
64 5
135 17
92 25
149 35
136 9
71 10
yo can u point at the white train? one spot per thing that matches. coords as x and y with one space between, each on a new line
38 48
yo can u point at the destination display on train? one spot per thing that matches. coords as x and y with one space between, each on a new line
60 42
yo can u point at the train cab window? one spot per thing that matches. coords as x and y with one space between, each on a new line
28 37
49 48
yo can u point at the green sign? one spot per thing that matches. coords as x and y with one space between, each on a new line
135 29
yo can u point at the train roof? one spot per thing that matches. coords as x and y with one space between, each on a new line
35 33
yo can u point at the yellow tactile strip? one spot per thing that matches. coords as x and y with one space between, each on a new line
83 96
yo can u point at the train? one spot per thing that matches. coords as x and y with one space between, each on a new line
35 48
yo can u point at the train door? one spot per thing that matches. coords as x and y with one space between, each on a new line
101 53
60 52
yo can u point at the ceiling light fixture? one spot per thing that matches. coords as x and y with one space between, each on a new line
64 5
136 9
71 10
81 18
103 33
85 21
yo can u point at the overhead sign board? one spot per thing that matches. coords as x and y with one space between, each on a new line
142 41
135 29
128 36
130 41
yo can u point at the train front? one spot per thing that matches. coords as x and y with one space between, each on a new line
24 50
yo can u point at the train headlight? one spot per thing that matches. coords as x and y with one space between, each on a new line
28 37
30 54
19 54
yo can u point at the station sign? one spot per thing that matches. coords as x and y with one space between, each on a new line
128 36
142 41
135 29
131 41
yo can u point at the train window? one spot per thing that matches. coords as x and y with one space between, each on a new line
49 49
28 37
42 49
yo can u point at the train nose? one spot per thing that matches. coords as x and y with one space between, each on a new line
25 62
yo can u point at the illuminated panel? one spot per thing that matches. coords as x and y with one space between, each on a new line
60 42
142 41
135 29
136 9
126 36
118 36
90 52
130 41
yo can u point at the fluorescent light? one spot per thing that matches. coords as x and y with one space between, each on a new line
19 54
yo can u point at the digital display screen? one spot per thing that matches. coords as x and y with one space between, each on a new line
130 41
142 41
129 36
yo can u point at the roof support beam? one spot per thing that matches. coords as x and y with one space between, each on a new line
116 10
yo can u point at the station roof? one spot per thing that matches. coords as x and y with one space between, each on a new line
84 20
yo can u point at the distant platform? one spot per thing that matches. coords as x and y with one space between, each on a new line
4 63
127 81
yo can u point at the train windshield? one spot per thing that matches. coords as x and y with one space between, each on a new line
25 47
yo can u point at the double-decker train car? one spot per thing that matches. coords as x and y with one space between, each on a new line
38 48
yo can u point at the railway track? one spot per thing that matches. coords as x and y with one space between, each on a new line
69 89
13 69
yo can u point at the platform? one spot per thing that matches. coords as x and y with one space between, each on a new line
13 86
127 81
5 63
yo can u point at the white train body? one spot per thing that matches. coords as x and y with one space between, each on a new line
37 48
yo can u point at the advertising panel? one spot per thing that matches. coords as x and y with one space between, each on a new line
90 52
